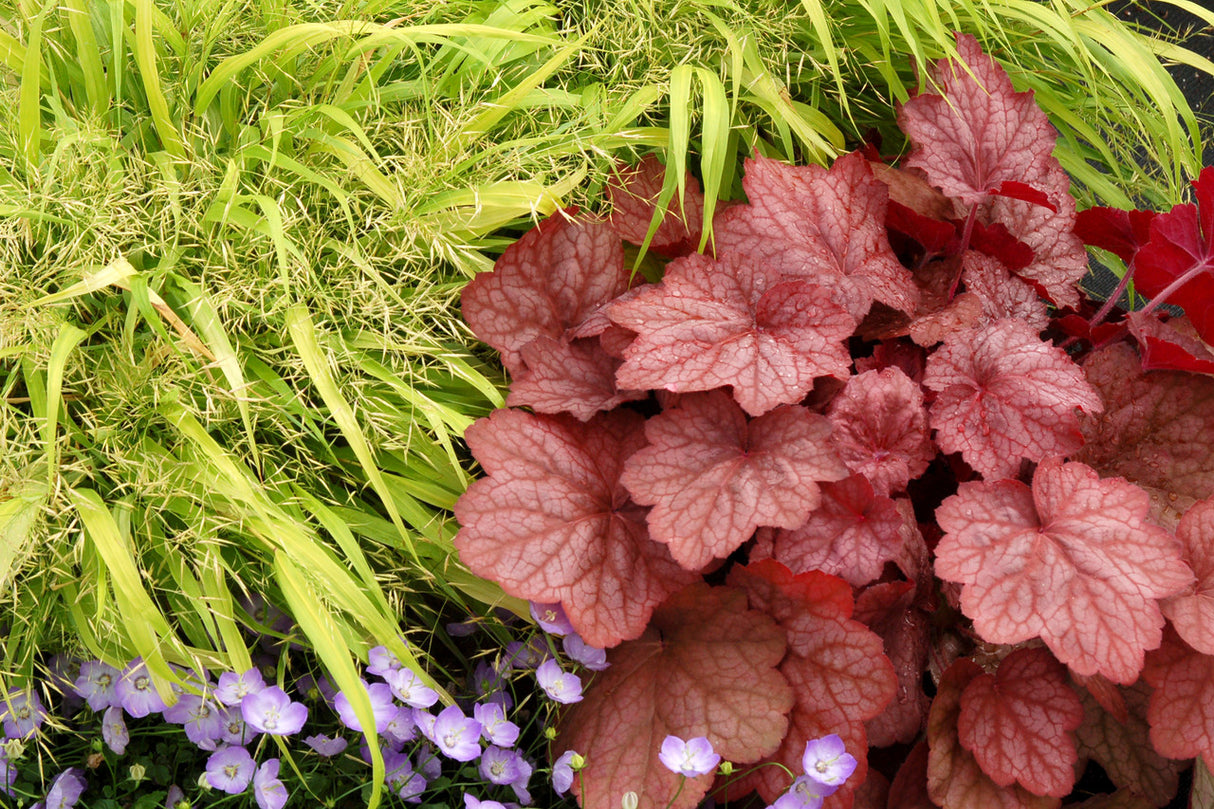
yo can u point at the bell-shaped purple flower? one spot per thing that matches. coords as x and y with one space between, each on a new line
22 712
457 736
382 707
202 719
827 762
326 747
472 802
268 790
560 686
97 682
401 728
499 765
805 793
409 688
592 657
690 758
380 661
114 730
272 711
233 687
230 770
401 778
562 772
66 789
495 727
235 730
136 692
551 618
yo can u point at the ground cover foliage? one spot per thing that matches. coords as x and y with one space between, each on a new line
234 235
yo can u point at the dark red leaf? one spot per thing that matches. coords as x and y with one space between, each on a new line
711 324
1170 346
880 429
1025 192
852 534
954 778
824 226
713 478
1004 395
1073 560
706 666
909 787
834 664
1120 232
1018 723
1147 431
634 192
995 241
1191 611
1181 711
554 278
551 521
1123 748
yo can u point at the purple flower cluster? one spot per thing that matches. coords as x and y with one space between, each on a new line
827 766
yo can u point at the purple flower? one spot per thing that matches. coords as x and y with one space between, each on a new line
560 686
325 746
136 691
23 713
688 758
202 719
494 726
499 765
174 797
380 661
382 707
401 728
230 769
591 657
409 688
428 762
66 789
471 802
62 670
233 687
314 689
562 772
8 773
519 785
805 793
235 729
268 791
528 655
272 711
113 729
551 618
96 682
457 736
827 762
400 777
425 722
490 686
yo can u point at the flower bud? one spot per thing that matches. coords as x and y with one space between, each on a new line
629 800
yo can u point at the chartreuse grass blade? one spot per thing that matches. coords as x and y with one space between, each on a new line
87 54
307 606
145 58
29 93
219 603
69 337
303 336
20 513
512 99
143 623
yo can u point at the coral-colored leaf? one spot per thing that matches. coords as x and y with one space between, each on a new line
731 322
823 225
1006 395
558 275
1073 560
1179 258
1147 431
978 133
1002 294
889 609
954 778
634 193
706 666
1123 747
1018 723
568 376
713 478
552 522
852 534
835 666
880 429
1181 711
1191 610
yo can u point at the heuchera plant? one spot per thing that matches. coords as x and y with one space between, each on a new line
872 466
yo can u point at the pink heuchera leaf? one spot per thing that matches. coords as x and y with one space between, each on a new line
823 225
978 136
954 778
706 666
552 522
1002 294
634 193
880 429
852 534
1004 394
1018 723
978 133
1147 431
710 324
888 608
1191 611
1181 711
558 275
1123 748
834 664
568 376
1073 560
712 477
